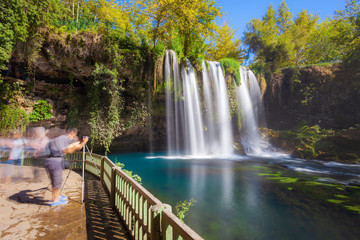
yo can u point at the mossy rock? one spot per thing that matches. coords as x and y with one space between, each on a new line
328 156
348 156
324 145
303 153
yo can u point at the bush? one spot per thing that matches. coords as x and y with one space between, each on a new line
41 111
183 207
232 67
12 118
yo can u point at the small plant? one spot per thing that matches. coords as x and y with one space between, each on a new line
41 111
12 118
232 67
183 207
136 177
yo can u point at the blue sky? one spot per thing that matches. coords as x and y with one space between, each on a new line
239 12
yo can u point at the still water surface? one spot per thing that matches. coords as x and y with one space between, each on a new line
242 197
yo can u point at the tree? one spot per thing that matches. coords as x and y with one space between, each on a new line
277 41
284 17
321 46
303 25
13 28
189 23
224 45
348 28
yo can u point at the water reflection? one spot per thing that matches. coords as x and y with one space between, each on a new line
255 198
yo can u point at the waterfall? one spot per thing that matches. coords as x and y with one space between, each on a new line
249 105
191 129
174 106
219 133
194 128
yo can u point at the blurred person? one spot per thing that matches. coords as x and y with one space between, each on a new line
14 161
4 159
57 148
17 144
4 149
38 141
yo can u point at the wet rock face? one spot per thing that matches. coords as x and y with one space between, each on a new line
63 58
322 95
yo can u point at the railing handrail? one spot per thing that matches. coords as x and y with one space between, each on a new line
149 196
156 222
145 216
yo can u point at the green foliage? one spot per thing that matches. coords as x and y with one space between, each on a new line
139 116
355 208
136 177
308 138
183 207
232 67
224 45
41 111
13 28
276 40
183 26
9 91
12 118
105 105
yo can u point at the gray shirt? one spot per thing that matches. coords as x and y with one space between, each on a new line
57 146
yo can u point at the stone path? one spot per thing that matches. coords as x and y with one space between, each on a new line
25 212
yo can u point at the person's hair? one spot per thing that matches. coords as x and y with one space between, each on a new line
71 130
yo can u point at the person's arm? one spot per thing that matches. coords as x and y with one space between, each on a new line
76 146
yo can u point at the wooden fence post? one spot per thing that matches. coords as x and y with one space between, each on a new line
166 230
102 169
156 221
112 187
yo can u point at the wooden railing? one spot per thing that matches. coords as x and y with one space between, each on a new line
145 216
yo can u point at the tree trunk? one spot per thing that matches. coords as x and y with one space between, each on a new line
77 12
73 10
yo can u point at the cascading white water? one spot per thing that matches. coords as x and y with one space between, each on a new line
174 105
219 137
194 128
188 131
246 99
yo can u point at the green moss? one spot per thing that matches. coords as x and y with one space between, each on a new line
232 67
284 179
313 183
355 208
336 201
269 174
207 65
341 196
259 167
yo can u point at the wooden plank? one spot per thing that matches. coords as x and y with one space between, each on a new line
181 228
112 188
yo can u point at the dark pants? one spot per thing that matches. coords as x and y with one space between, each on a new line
54 167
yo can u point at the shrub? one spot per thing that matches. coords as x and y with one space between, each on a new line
12 118
232 67
41 111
